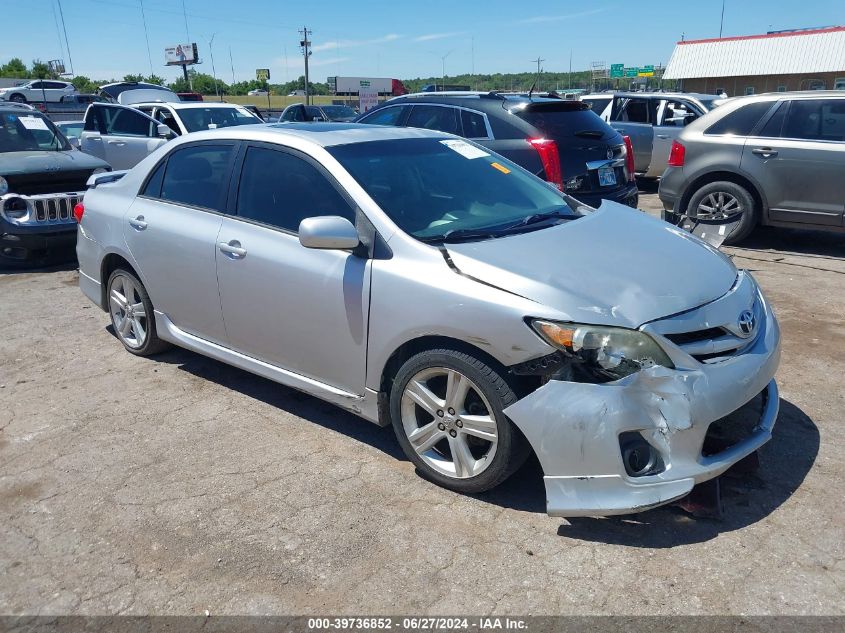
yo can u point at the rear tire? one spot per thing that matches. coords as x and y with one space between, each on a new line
131 314
17 98
447 413
732 194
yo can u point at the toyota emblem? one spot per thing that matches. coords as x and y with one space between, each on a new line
746 323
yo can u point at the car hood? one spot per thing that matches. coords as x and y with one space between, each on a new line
15 163
616 266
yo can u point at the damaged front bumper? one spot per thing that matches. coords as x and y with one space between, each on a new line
579 430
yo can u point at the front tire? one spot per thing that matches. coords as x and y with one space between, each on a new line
131 314
17 98
725 200
447 413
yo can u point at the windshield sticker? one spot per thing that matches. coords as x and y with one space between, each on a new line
33 123
464 149
501 168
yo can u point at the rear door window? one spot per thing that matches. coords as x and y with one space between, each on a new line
742 121
127 122
384 116
440 118
816 120
196 176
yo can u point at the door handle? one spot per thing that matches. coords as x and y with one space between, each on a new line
232 249
118 143
138 223
663 136
765 152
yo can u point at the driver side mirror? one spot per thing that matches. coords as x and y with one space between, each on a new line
164 131
328 232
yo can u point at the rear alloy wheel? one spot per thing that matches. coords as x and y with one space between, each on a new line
447 412
132 314
17 98
726 203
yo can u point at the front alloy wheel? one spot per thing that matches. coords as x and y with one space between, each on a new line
447 409
448 422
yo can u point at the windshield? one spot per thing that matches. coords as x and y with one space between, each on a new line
196 119
338 111
71 129
443 189
28 132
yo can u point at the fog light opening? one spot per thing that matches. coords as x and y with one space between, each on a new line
638 456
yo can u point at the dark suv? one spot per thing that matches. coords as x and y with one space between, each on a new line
42 178
559 140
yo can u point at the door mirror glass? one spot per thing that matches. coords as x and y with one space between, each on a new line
163 130
328 232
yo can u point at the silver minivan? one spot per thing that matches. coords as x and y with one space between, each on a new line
774 159
422 281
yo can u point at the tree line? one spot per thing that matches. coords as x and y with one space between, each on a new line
205 84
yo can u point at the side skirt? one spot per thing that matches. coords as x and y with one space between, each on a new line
365 406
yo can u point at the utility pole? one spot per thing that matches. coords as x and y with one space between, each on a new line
472 40
188 78
722 20
232 64
67 42
213 71
305 43
146 36
538 61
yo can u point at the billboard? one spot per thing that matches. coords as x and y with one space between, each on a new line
180 54
262 74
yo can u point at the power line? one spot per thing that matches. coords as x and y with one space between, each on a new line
146 37
67 42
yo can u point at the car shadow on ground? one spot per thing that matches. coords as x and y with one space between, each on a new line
817 244
53 267
785 461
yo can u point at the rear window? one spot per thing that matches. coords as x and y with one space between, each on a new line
557 123
740 122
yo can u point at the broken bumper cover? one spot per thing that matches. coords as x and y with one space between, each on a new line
575 428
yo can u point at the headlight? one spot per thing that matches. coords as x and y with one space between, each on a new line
4 186
615 352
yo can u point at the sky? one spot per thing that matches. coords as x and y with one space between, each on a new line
399 38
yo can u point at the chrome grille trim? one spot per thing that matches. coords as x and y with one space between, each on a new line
45 209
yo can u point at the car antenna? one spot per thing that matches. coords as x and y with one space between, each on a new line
531 90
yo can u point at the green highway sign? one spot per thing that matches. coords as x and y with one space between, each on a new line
646 71
632 72
617 70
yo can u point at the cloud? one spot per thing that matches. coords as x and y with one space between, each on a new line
438 36
559 18
337 44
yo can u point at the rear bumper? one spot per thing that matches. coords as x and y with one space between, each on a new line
671 189
576 429
629 196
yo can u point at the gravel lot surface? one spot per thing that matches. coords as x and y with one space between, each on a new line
177 485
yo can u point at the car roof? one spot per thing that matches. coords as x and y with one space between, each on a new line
318 133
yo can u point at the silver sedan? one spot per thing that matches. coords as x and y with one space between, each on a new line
423 282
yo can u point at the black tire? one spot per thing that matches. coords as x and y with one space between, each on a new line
750 212
512 449
671 217
17 98
152 344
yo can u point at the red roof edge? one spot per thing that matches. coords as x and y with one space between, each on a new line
832 29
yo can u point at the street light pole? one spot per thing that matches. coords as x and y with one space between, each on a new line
305 43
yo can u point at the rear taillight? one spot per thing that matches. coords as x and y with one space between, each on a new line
677 155
547 149
78 210
629 158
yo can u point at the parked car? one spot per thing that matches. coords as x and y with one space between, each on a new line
773 159
124 135
70 104
652 120
38 90
420 280
258 92
72 130
301 113
42 178
559 140
296 93
189 96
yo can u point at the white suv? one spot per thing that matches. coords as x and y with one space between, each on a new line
38 90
